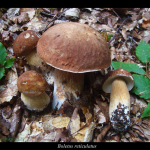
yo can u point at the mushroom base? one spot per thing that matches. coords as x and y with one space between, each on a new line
66 82
120 118
119 108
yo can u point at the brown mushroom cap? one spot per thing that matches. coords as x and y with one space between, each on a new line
74 47
109 78
32 83
25 42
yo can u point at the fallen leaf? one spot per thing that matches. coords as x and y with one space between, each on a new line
104 108
12 89
145 23
136 35
86 134
4 129
74 124
103 133
130 26
29 11
124 33
6 112
15 28
60 122
62 135
11 12
35 24
23 18
15 121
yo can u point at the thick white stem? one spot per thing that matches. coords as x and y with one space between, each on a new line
119 109
66 82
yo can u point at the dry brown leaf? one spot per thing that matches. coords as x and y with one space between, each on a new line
130 26
4 129
85 134
103 133
11 87
6 112
15 121
99 115
60 122
104 108
29 11
15 28
136 35
113 52
74 124
35 24
124 33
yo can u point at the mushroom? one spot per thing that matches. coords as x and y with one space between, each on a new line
72 49
32 86
119 82
25 45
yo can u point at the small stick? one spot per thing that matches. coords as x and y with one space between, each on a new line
103 133
115 13
118 30
55 17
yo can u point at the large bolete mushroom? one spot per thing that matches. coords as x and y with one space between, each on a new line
72 49
32 86
119 82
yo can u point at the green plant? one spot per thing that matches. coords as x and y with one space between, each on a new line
4 63
141 77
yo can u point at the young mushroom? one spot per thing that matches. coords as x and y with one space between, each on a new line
25 45
119 82
72 49
32 86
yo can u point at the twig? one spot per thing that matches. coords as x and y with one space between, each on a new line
115 13
55 17
103 133
118 29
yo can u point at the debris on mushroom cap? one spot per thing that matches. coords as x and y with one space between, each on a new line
32 83
74 47
36 103
109 78
25 42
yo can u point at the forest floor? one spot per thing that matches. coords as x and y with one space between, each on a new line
126 27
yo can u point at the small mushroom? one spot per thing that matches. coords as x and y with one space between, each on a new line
32 86
72 49
119 82
25 45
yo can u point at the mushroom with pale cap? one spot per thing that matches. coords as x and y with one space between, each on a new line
32 86
119 82
72 49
